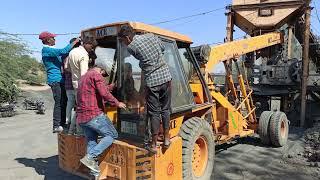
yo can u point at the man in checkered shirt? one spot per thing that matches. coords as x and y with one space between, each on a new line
148 49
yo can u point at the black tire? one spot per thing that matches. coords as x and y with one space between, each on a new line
263 129
11 113
279 129
41 109
191 130
25 105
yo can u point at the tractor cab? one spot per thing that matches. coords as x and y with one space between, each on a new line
129 80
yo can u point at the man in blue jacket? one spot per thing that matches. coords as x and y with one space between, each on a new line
51 58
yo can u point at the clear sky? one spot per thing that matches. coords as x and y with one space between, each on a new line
64 16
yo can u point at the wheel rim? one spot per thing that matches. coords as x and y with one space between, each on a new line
283 129
200 156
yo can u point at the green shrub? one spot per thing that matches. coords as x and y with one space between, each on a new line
16 63
8 89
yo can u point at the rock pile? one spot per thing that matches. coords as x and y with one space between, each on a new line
312 140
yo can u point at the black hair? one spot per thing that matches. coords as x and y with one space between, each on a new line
76 45
93 57
125 31
72 40
90 40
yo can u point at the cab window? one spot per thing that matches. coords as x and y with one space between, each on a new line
192 74
107 55
186 62
181 93
132 93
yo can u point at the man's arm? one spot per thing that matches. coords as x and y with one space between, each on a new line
53 52
132 50
103 91
110 87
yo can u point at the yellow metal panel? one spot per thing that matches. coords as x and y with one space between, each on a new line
147 173
175 125
244 93
214 118
156 30
232 123
111 113
221 100
231 85
246 132
198 89
168 163
237 48
141 27
202 107
119 160
235 119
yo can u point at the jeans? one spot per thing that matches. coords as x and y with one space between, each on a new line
74 127
60 103
159 106
70 105
100 125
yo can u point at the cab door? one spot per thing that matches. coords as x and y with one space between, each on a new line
132 89
182 98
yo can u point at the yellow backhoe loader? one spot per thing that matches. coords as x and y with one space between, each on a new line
202 114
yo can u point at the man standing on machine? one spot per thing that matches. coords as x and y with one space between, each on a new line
148 49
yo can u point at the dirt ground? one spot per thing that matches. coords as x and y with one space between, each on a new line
28 147
248 159
29 151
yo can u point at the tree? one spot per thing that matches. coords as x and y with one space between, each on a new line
16 63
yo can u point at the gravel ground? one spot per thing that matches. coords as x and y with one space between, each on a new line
249 159
312 148
29 151
28 147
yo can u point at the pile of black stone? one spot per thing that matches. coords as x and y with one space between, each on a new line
312 140
7 109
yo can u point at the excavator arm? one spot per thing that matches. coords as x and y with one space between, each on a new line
234 49
239 95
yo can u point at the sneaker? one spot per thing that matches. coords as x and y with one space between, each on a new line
57 129
90 163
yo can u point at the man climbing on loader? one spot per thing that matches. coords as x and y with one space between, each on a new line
148 49
92 93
